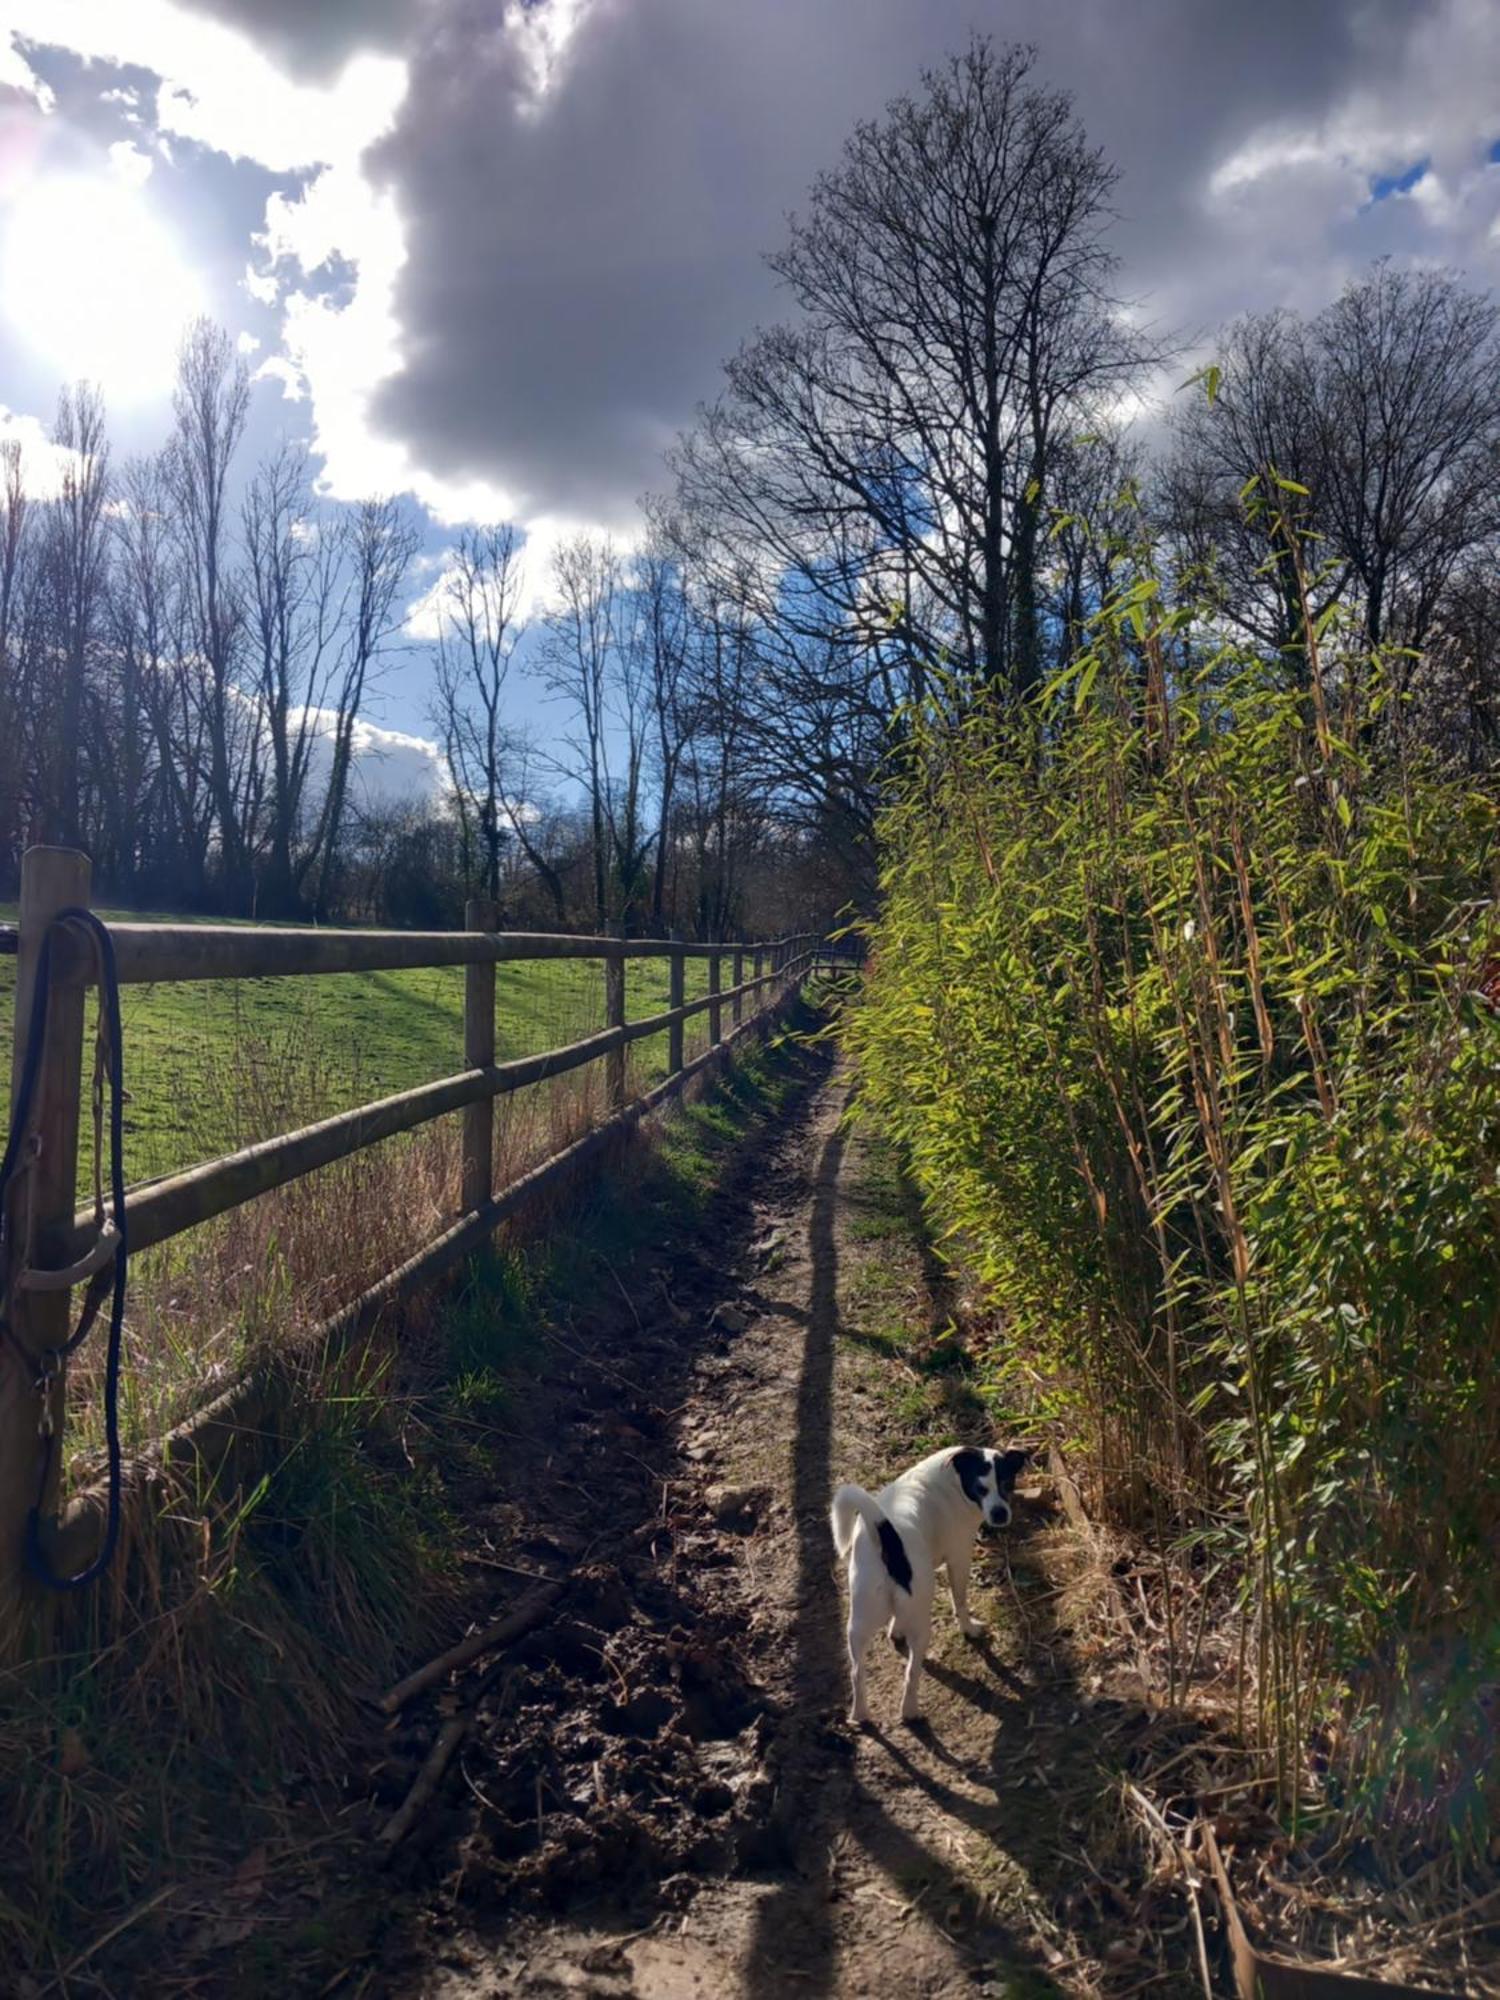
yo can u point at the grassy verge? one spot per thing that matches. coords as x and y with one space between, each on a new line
191 1721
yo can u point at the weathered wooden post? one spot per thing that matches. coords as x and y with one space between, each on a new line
676 991
760 991
52 879
479 1052
737 972
614 1009
715 1011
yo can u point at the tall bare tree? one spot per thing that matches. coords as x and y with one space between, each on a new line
479 633
380 544
77 553
296 589
577 661
210 405
890 454
1381 416
17 650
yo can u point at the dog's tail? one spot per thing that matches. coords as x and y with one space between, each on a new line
851 1504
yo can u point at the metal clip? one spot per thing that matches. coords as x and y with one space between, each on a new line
48 1370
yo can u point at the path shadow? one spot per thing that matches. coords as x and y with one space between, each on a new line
1039 1806
794 1942
794 1931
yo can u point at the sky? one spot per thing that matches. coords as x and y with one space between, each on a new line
493 253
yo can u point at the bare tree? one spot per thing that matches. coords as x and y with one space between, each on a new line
141 804
1408 391
891 454
210 406
77 552
576 666
380 546
1380 418
660 634
479 633
17 656
297 586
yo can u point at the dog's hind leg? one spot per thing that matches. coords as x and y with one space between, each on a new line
918 1632
958 1588
864 1622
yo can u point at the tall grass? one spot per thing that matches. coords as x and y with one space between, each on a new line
1173 1004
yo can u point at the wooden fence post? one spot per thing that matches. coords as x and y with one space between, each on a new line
676 993
479 1052
715 1011
614 1010
52 879
737 1006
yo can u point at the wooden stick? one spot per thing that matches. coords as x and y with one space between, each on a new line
434 1765
520 1619
427 1780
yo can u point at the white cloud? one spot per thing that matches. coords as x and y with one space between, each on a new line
223 92
42 462
341 349
389 767
1310 203
17 74
130 163
218 86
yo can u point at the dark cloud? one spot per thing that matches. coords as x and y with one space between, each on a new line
580 264
312 39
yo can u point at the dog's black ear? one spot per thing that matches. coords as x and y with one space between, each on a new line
972 1467
1008 1464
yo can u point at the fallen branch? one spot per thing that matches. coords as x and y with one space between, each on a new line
437 1760
529 1612
427 1780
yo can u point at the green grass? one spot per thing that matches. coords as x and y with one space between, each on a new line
218 1065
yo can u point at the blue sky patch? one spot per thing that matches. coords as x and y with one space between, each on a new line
1384 185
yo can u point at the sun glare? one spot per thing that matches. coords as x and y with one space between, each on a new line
94 283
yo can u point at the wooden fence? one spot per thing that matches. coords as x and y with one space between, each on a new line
54 1247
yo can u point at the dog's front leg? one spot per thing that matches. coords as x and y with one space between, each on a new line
958 1587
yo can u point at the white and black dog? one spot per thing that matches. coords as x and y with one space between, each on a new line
899 1538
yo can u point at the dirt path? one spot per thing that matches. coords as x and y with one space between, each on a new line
661 1797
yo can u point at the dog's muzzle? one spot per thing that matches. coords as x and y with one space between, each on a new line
999 1514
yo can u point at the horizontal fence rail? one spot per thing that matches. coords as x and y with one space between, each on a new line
59 1246
147 954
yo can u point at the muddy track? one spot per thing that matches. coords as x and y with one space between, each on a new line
659 1795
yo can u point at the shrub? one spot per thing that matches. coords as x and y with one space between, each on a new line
1173 1004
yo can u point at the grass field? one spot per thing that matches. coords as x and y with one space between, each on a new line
211 1067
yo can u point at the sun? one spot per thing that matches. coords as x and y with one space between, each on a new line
95 284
